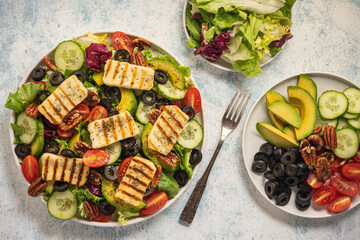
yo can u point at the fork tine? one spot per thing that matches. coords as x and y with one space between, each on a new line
239 116
236 109
232 103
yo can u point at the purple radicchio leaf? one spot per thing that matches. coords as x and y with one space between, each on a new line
95 55
281 42
214 50
93 189
196 15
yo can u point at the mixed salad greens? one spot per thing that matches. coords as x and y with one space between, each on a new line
36 136
240 32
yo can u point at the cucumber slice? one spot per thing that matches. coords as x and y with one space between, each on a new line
348 115
353 96
347 143
114 150
322 122
30 125
332 104
138 137
342 123
169 91
69 55
192 135
38 144
62 205
355 123
142 112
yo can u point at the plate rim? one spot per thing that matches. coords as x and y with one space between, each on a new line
169 202
251 175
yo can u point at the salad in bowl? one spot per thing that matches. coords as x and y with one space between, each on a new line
107 129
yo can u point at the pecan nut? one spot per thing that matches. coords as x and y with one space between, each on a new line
49 63
328 155
308 152
94 178
141 43
82 147
323 169
92 99
37 187
70 121
330 138
91 209
317 130
32 110
316 141
156 178
171 159
153 115
140 59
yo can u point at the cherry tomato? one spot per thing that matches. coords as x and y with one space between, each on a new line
83 110
123 167
335 165
341 203
96 158
344 186
122 41
324 195
30 168
154 202
102 218
351 171
313 182
65 134
193 98
98 112
356 158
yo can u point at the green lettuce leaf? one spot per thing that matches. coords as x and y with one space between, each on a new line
18 130
224 19
168 184
252 30
250 67
184 155
24 95
147 54
192 43
242 53
193 25
84 133
209 34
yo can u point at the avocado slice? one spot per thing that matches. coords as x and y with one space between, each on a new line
38 144
108 189
275 136
301 99
174 74
290 131
49 186
308 84
272 96
285 112
128 101
98 78
74 139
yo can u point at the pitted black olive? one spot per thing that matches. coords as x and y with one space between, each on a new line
162 102
56 78
52 147
22 150
181 177
122 55
38 74
160 77
195 157
189 111
110 173
111 92
41 96
106 208
80 75
68 153
128 143
149 97
61 186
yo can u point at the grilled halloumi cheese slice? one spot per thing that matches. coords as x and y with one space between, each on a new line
125 75
69 94
109 130
134 183
167 129
59 168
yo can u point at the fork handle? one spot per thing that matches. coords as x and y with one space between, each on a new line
188 214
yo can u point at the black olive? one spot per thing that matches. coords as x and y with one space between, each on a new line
52 147
259 166
289 157
189 111
128 143
266 148
106 208
131 152
111 92
283 198
271 188
160 77
279 170
278 152
291 181
269 175
195 157
272 162
80 75
291 169
261 156
122 55
56 78
304 187
303 174
162 102
106 103
302 207
61 186
110 173
303 197
68 153
181 177
41 96
112 112
38 74
22 150
149 97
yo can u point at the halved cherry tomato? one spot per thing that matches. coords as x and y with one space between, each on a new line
102 218
154 202
313 182
324 195
344 186
335 165
193 98
30 168
65 134
351 171
123 167
341 203
356 158
122 41
83 110
98 112
95 158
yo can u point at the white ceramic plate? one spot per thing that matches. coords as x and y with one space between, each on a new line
251 140
223 63
113 223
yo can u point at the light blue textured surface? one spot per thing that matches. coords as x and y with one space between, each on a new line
326 38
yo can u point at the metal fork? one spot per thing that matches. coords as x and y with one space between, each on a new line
230 121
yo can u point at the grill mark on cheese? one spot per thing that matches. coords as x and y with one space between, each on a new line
46 167
55 110
133 187
55 168
121 127
63 172
164 133
141 172
80 175
135 179
105 132
72 170
169 126
181 113
130 195
133 77
108 68
142 80
129 124
116 70
79 87
50 116
112 126
174 119
61 102
152 145
66 96
141 163
124 73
